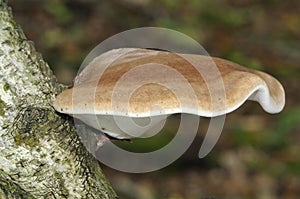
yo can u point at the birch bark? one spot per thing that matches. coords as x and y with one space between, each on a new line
41 155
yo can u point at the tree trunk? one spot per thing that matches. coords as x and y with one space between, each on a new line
41 155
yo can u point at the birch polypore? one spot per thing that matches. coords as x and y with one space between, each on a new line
146 86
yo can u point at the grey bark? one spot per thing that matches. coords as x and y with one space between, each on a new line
41 155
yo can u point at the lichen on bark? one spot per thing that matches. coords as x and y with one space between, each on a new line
41 155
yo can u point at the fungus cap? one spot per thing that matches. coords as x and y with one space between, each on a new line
141 84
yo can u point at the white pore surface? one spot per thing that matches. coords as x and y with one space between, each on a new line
122 127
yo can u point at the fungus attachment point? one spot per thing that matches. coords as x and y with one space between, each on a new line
117 91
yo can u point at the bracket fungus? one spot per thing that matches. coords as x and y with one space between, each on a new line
127 92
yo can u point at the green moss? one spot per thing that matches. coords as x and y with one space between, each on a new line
31 142
32 124
6 86
10 189
2 106
64 191
26 138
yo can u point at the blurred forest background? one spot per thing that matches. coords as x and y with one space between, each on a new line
257 155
